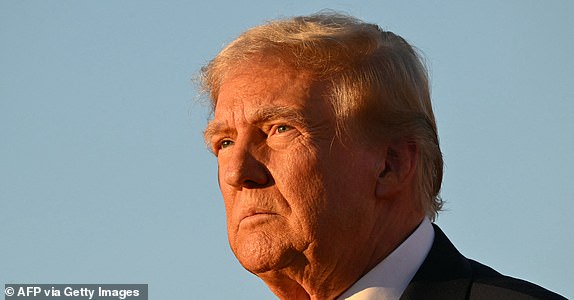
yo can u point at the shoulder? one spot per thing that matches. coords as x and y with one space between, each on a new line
447 274
489 284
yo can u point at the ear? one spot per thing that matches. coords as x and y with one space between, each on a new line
397 169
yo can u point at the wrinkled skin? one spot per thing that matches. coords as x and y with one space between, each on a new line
302 207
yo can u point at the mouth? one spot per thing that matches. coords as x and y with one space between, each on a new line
256 217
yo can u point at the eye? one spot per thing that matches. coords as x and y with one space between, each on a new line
281 129
221 144
225 143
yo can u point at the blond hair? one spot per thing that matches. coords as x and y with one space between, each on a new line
378 83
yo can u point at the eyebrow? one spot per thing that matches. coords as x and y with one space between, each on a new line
266 114
259 116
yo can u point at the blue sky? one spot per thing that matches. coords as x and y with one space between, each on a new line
104 177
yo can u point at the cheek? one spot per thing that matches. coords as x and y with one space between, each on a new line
302 187
228 195
225 190
296 174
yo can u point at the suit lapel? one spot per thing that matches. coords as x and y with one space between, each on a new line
445 273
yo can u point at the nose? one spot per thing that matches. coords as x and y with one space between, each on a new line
244 170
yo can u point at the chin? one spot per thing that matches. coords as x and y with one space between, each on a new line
260 253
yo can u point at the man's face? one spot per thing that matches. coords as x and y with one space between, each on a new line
293 193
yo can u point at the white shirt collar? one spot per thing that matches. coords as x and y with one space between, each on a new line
390 277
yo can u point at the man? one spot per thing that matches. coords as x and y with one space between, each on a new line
330 167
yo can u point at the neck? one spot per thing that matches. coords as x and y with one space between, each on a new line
313 280
325 277
286 287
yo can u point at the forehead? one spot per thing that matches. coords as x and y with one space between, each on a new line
264 82
262 93
259 84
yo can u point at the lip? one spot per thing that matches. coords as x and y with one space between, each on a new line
255 214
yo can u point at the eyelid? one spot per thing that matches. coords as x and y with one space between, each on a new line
218 143
224 143
274 129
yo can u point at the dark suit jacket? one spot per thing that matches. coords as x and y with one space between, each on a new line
447 274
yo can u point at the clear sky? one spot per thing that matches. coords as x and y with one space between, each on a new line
104 177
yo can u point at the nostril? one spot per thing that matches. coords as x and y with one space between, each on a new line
247 172
250 184
262 182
